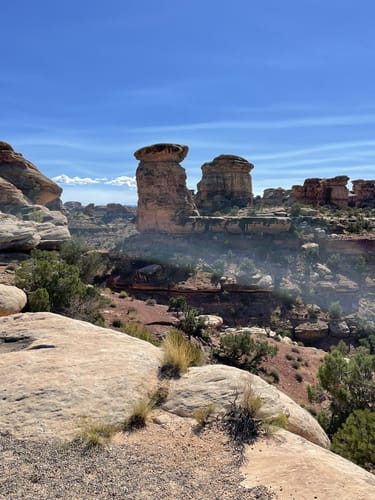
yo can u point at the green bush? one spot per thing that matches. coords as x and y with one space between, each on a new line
242 351
355 440
90 263
53 285
39 300
335 310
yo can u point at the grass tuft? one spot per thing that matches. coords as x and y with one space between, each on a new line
179 354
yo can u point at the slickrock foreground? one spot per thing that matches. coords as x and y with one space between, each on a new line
55 370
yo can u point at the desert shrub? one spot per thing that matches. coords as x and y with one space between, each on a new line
204 414
274 373
355 440
192 324
296 350
289 357
298 376
335 310
242 421
38 300
123 294
138 416
295 365
94 434
159 396
288 298
135 330
117 323
247 266
89 262
60 284
242 351
179 354
177 305
150 302
295 210
360 225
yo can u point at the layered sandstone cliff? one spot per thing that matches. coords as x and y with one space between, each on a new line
164 201
29 205
25 176
363 193
226 182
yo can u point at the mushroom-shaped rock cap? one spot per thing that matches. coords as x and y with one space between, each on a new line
162 152
4 146
228 159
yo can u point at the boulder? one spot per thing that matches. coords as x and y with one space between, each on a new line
220 384
296 468
12 300
226 182
66 369
212 321
339 329
164 201
25 176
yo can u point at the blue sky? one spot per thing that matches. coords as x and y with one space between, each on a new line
288 84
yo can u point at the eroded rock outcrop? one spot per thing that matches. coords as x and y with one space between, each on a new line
363 193
25 176
226 182
30 205
164 201
317 191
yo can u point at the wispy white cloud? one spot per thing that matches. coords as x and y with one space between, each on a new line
310 121
122 180
65 179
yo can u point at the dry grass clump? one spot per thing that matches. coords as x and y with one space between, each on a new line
95 434
139 415
205 414
179 354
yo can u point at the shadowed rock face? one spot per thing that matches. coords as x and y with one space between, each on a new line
225 183
164 201
35 186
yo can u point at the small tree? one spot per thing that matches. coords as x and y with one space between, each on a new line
355 440
348 384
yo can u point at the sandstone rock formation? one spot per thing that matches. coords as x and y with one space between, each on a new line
323 192
35 186
225 183
34 199
164 201
12 300
219 384
363 193
311 331
296 468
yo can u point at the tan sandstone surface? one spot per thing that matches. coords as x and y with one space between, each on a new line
297 469
55 370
